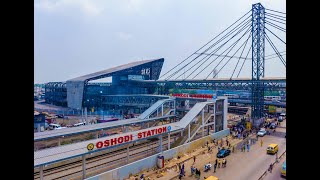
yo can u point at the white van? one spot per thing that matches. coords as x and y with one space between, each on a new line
55 126
79 124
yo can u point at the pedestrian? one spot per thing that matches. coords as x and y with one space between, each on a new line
261 143
216 163
227 142
182 170
223 162
248 147
233 148
192 170
270 168
244 148
198 174
179 167
214 167
219 148
219 163
194 159
142 177
208 143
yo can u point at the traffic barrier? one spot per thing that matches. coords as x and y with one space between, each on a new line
276 161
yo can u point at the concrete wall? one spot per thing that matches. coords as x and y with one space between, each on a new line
149 162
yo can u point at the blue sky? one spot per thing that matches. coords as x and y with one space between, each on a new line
77 37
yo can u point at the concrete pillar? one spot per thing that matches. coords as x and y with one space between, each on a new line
128 153
41 172
189 133
82 115
168 141
161 144
162 110
214 118
86 115
202 122
97 134
83 166
174 107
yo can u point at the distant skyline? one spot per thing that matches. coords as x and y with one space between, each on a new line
78 37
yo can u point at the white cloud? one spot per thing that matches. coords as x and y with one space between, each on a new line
88 7
124 36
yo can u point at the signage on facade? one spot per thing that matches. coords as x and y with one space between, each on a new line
127 138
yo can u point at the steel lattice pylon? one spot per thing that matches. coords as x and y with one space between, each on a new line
258 54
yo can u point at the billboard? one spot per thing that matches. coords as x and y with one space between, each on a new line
272 109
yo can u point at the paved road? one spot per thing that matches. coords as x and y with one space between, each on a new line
248 165
276 173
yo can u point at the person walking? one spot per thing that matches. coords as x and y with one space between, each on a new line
182 170
248 147
219 163
214 167
223 162
216 163
194 159
244 148
233 148
261 143
270 168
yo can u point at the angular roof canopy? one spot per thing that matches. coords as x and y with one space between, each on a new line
97 75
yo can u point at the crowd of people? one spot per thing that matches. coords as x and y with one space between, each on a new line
218 163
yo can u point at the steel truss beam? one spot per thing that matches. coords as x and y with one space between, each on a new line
258 61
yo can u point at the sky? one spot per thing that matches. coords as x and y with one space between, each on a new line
77 37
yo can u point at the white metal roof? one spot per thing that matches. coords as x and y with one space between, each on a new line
91 127
112 70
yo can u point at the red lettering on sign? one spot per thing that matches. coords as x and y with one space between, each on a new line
139 135
159 131
149 133
131 137
164 129
144 134
113 141
126 138
152 132
99 144
120 140
106 143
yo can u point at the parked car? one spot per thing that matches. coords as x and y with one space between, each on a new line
223 153
262 132
60 116
55 126
273 125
